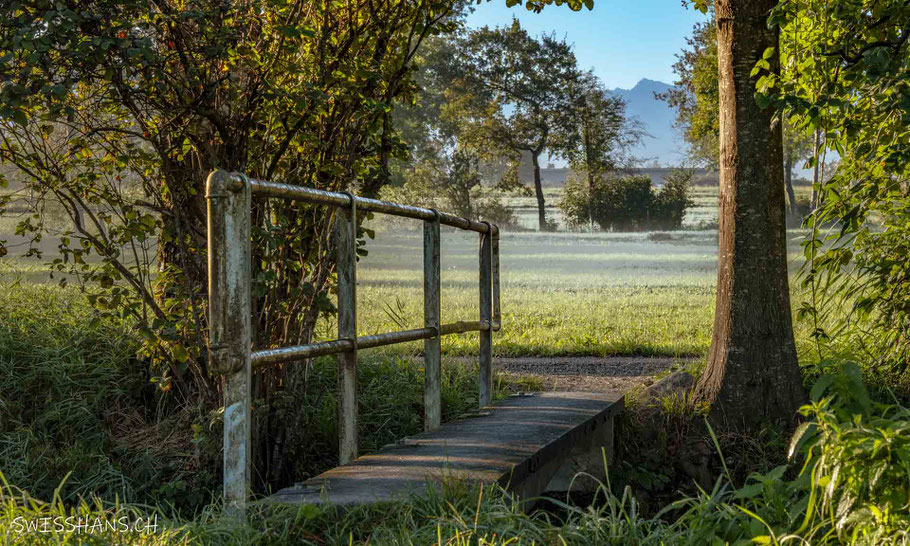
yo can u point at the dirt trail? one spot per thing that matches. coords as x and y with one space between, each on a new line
590 374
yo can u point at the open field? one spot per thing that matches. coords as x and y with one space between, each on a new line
592 294
562 293
701 215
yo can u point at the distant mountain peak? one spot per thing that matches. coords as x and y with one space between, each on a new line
644 85
662 144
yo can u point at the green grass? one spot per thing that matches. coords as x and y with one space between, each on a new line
562 294
75 401
848 485
593 294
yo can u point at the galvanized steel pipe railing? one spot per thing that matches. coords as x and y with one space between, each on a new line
339 199
228 196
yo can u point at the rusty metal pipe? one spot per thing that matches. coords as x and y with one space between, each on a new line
432 352
485 300
267 357
346 268
230 331
497 312
337 199
463 326
391 338
299 352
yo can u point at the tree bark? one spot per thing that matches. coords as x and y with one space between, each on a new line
538 190
788 182
752 374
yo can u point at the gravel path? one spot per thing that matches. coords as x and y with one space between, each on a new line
590 374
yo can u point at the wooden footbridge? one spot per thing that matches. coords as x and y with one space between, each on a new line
527 443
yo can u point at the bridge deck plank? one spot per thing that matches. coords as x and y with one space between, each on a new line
508 443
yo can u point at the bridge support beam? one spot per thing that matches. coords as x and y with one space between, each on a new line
585 467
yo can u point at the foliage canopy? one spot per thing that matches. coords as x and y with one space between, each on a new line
118 110
845 70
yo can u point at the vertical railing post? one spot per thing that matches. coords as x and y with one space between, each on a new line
228 200
497 312
432 360
346 241
486 312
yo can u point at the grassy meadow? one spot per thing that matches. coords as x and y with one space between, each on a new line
83 433
563 293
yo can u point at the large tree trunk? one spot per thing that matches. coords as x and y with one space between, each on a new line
752 374
538 190
788 182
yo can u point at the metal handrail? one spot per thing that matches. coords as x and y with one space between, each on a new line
229 198
339 199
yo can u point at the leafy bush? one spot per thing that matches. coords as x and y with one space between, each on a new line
626 203
860 264
455 183
858 274
670 203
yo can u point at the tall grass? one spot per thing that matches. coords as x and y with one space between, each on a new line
846 483
63 374
75 401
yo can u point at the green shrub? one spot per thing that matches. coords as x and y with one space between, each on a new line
856 272
670 203
626 203
456 183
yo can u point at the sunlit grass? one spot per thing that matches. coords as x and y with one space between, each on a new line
593 294
562 294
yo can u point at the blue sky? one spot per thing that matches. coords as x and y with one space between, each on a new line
623 41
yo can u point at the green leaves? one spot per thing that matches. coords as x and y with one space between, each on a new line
844 72
695 95
511 93
116 113
538 5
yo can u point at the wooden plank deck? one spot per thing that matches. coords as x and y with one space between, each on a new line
519 443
